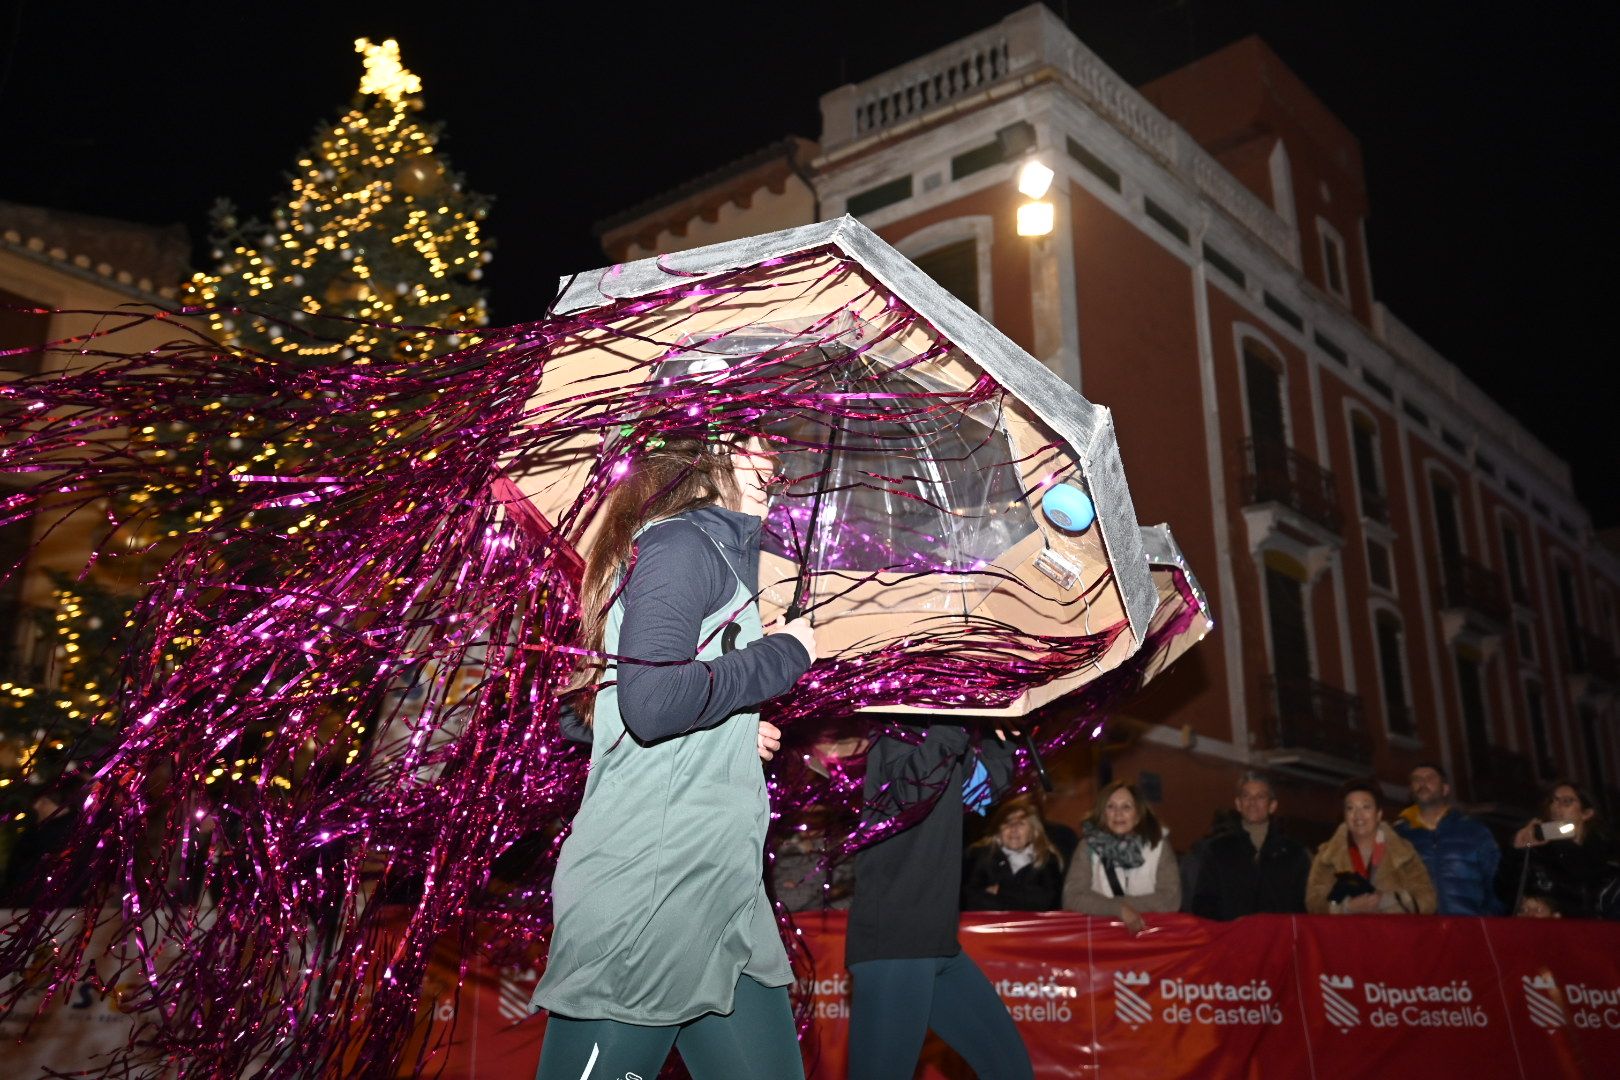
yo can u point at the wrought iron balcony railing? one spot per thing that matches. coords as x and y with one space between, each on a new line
1593 655
1279 474
1313 716
1374 505
1465 583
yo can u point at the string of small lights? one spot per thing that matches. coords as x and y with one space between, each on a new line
377 228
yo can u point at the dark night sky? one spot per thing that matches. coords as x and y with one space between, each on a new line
1492 182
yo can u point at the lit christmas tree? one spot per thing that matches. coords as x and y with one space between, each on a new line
377 228
49 724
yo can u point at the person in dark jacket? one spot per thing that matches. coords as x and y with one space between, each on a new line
1578 871
1256 868
1015 867
1461 854
1221 822
908 970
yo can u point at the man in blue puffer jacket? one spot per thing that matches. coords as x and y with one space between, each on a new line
1460 854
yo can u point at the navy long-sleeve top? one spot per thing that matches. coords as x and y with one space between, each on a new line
687 568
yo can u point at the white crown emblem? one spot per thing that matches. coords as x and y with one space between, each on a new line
1129 1006
1546 1012
516 986
1340 1011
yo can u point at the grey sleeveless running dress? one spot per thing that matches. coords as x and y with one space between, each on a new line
659 896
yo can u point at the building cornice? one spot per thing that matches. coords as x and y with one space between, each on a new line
80 267
1026 47
772 167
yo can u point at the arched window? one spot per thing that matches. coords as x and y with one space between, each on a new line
1447 518
1535 711
1286 617
1461 580
956 254
1369 470
1398 719
1470 669
1263 394
1574 635
1513 556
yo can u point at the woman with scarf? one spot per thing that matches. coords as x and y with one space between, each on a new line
1367 868
1124 867
664 936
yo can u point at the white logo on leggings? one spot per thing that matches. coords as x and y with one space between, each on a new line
596 1050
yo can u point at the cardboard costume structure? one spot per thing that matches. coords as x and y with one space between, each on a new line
894 552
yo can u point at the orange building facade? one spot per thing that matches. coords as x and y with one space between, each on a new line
1399 571
73 265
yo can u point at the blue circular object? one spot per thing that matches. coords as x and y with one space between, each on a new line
1069 508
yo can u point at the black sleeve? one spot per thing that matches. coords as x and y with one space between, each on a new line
978 873
679 578
1508 875
1036 888
899 774
574 728
1207 893
1301 874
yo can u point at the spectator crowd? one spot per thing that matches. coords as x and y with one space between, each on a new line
1429 858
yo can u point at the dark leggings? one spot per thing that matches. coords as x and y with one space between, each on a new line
756 1040
895 1002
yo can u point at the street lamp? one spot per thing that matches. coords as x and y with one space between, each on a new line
1035 218
1035 178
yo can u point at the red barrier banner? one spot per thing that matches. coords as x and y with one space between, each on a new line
1272 996
1268 996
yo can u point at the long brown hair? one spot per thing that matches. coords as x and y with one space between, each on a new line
1045 850
683 472
1147 823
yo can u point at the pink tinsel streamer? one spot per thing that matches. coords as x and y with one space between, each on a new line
248 913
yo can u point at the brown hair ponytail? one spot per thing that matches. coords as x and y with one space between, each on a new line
684 472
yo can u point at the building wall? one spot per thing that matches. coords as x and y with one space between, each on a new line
1247 164
67 547
1011 287
1149 309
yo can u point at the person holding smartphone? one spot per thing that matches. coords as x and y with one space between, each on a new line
1566 855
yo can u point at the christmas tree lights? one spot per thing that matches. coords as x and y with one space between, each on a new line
377 228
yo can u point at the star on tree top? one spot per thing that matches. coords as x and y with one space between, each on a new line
385 75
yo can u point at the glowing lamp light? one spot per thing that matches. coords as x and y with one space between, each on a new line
1035 179
1035 219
